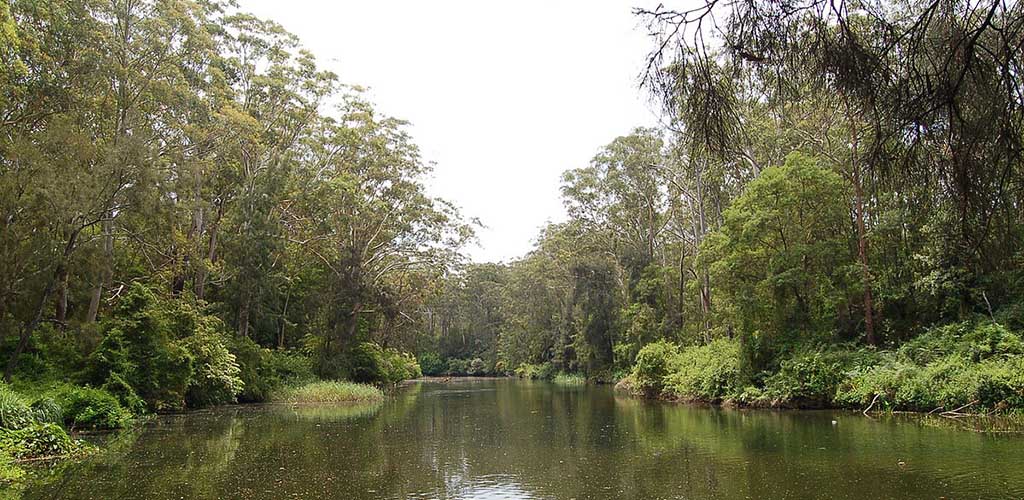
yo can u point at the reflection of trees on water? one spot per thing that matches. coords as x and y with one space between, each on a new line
534 440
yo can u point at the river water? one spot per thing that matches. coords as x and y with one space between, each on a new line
508 439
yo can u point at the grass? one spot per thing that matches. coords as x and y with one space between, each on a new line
328 391
570 379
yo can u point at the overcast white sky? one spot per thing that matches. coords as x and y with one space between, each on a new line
502 96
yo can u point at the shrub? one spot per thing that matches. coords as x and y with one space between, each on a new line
431 364
328 391
47 410
544 371
948 383
976 341
709 373
91 408
806 379
15 412
369 362
457 366
137 346
38 440
651 367
477 367
398 366
216 377
263 370
125 394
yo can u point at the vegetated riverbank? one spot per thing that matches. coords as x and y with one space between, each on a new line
969 368
49 427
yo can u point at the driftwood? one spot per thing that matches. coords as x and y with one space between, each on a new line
955 413
41 459
873 400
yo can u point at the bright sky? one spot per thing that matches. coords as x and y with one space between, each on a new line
502 96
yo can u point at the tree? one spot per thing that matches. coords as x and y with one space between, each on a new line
782 259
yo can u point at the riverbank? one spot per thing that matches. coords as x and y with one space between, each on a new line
486 438
955 370
52 426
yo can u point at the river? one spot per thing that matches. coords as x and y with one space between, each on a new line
508 439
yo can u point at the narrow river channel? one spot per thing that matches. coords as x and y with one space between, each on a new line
508 439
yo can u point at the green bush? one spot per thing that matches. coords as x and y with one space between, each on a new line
289 368
89 408
138 346
976 341
431 364
544 371
651 367
263 370
710 372
368 362
806 379
457 366
946 383
47 410
399 366
216 377
38 440
15 412
125 394
51 355
477 367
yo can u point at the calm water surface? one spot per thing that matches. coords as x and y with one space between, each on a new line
506 439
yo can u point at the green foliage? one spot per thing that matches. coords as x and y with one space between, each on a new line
811 378
570 379
38 440
368 362
215 379
15 411
975 364
137 346
706 373
543 371
431 364
328 391
976 341
262 370
9 471
89 408
47 410
125 394
652 366
457 366
477 367
781 258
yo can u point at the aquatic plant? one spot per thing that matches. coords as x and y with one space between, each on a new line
328 391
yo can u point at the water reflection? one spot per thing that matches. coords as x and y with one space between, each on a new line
507 439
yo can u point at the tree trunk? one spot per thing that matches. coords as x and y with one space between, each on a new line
283 321
243 315
26 330
106 274
862 241
61 309
211 254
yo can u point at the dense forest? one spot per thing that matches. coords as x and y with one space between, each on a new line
192 213
829 216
